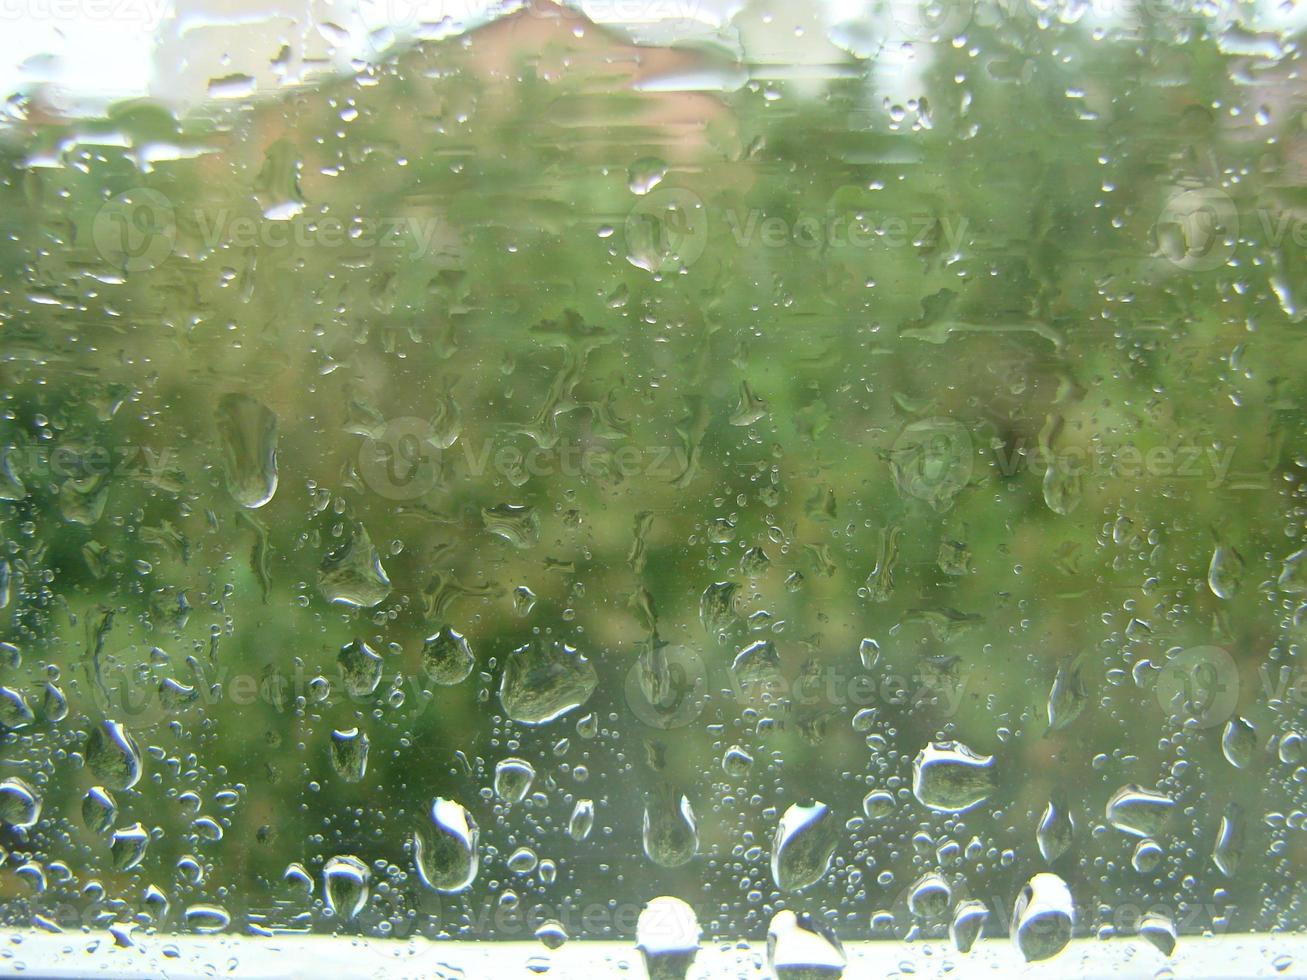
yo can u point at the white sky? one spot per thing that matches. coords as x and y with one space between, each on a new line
103 49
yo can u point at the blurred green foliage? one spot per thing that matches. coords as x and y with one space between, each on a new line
992 260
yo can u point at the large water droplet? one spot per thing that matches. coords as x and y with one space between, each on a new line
646 174
20 806
15 712
1159 930
803 845
667 934
447 657
445 847
1043 918
717 608
127 846
513 779
543 680
360 668
968 920
1225 572
552 934
1068 697
248 430
671 834
351 575
113 756
949 776
349 754
1239 742
99 810
1138 811
345 885
803 947
1147 856
930 896
207 919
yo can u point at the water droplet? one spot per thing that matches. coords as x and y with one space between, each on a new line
15 712
1159 930
1138 811
207 919
717 608
749 409
1043 918
297 878
756 669
551 934
20 806
968 920
349 754
1147 856
950 777
446 657
543 680
1068 697
803 845
667 935
113 756
54 705
646 174
1225 572
930 897
737 762
248 430
360 667
522 861
99 810
351 575
127 846
513 779
1055 831
1063 487
445 849
1228 851
868 653
802 947
345 885
878 804
517 524
671 835
582 820
1239 742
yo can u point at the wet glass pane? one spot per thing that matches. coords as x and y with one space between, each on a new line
760 478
